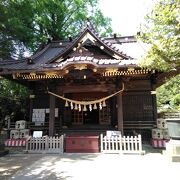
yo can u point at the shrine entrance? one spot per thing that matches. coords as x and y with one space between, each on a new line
91 117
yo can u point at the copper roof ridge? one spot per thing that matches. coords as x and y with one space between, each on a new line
90 28
70 46
118 39
74 42
48 45
115 49
40 52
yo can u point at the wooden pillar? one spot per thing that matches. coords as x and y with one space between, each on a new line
154 103
61 109
30 107
51 115
120 112
113 105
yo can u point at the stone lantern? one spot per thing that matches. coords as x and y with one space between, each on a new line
174 128
173 146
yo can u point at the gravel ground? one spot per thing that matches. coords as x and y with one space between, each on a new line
152 165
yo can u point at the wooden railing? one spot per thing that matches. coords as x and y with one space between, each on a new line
45 144
121 144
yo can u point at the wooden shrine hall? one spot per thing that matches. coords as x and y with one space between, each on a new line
86 84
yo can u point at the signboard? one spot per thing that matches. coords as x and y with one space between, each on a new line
37 133
113 133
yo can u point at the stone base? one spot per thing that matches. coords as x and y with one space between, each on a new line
15 150
172 151
172 158
175 158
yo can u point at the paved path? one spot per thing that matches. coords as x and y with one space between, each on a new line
88 167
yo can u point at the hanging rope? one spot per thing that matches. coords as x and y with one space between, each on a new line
85 103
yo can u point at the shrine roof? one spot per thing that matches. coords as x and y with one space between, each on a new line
58 54
101 63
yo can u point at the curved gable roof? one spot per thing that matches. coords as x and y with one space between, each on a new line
90 34
60 53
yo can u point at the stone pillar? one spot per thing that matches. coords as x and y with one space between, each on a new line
120 112
51 115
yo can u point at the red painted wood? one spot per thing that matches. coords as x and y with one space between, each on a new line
82 144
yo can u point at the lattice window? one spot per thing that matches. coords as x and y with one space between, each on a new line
77 117
137 108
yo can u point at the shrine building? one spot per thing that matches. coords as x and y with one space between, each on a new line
86 84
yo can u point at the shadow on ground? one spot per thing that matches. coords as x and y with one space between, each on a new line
13 163
47 166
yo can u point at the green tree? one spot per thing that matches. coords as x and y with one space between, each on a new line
29 23
168 95
13 98
162 31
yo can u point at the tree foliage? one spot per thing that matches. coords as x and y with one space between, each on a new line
162 31
168 95
13 98
27 24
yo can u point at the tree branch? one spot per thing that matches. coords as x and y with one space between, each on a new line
161 78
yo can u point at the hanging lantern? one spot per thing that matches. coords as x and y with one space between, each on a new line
104 104
95 106
84 109
66 104
90 107
71 105
76 107
100 105
79 107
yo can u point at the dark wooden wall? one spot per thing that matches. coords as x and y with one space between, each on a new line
41 101
138 110
139 106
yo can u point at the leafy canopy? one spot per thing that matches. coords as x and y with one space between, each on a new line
13 98
162 31
168 95
27 24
